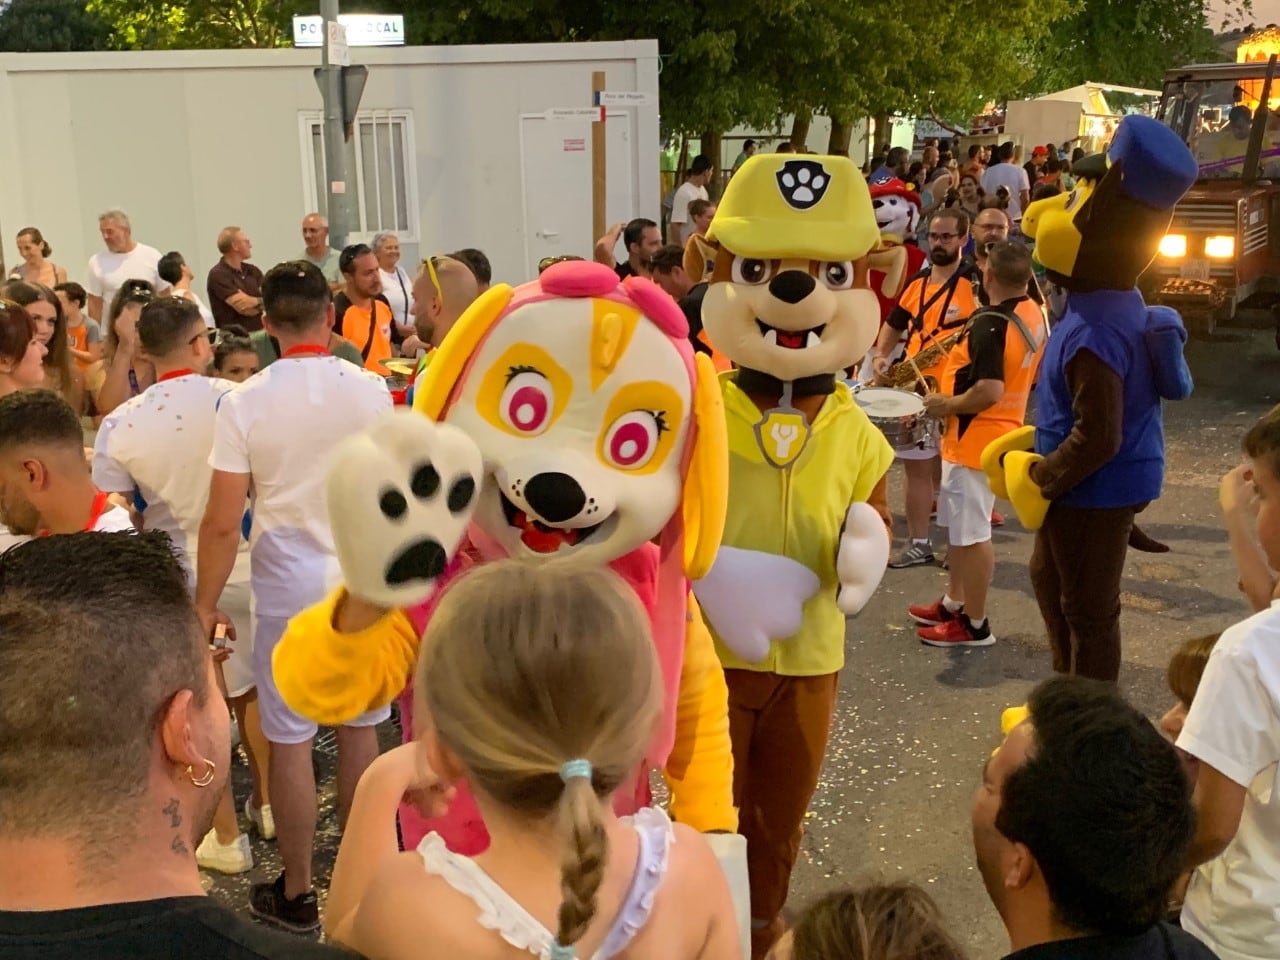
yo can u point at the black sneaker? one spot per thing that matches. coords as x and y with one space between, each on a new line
916 555
268 903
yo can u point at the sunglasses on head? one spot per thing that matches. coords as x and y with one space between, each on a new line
430 266
552 261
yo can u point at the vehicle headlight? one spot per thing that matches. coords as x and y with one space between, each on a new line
1220 248
1173 246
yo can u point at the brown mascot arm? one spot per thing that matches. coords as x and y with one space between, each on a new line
1097 394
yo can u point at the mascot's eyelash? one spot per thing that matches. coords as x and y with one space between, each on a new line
517 370
660 420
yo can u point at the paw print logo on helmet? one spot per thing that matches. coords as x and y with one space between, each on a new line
803 183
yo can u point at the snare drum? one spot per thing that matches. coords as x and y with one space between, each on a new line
898 414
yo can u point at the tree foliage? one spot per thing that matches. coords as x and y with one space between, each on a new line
198 24
45 26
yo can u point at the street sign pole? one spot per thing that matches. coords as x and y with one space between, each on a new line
337 180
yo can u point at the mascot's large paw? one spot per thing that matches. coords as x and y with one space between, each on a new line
731 850
1010 718
862 559
752 598
1023 438
400 496
1024 493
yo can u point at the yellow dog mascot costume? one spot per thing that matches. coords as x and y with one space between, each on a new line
789 303
567 420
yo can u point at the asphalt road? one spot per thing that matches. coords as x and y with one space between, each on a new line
915 723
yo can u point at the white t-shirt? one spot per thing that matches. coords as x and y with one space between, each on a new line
114 520
686 193
109 271
1011 176
159 442
280 426
205 312
1233 903
397 287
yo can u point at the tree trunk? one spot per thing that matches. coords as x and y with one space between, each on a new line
884 131
683 163
800 129
712 149
841 134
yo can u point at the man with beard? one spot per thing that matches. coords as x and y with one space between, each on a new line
116 747
934 305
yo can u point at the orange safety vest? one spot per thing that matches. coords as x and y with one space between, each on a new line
966 437
943 313
371 334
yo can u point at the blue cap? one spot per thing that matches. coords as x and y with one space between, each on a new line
1158 167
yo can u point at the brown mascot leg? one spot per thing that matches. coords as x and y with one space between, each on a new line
779 726
1088 548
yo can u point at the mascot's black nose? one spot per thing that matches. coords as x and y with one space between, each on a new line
791 286
555 497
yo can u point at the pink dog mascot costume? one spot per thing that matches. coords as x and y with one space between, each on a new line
566 420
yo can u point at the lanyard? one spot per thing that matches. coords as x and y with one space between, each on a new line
175 374
95 513
306 349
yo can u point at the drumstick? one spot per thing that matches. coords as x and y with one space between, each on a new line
919 376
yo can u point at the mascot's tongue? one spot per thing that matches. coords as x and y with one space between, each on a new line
793 341
540 538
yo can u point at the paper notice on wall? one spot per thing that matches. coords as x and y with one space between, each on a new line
338 186
578 145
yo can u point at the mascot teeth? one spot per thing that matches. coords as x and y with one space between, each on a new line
791 339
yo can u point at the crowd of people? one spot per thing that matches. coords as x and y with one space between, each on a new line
145 583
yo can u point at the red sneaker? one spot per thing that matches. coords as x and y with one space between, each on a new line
997 519
958 632
931 614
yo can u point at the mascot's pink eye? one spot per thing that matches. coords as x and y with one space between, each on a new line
633 439
526 402
838 275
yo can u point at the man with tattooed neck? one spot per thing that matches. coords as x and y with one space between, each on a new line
114 750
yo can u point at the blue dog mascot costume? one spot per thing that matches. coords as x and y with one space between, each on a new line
1096 456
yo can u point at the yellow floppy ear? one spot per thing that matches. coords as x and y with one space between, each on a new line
448 361
706 487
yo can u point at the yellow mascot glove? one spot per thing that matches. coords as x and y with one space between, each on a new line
333 677
1028 502
1011 717
993 457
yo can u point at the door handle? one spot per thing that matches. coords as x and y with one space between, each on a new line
547 234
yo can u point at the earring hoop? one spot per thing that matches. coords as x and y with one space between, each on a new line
206 778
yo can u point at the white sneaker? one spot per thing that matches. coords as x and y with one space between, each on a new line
233 857
262 820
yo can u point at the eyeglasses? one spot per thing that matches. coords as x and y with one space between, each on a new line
430 266
943 237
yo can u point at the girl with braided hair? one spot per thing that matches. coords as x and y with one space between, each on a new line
539 686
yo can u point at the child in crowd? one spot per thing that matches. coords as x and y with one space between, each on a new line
896 921
84 336
154 449
234 357
1239 509
1233 730
540 687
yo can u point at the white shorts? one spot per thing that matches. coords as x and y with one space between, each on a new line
237 669
279 723
965 502
927 448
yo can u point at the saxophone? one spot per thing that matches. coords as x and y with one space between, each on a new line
903 376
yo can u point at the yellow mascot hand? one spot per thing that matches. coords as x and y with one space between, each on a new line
993 457
1010 718
333 677
1024 493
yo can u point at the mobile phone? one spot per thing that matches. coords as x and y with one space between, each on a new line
219 636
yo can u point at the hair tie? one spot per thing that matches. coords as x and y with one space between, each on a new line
559 951
574 770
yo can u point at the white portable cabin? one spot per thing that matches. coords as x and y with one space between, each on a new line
453 147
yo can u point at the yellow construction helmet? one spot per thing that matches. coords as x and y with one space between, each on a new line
807 207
